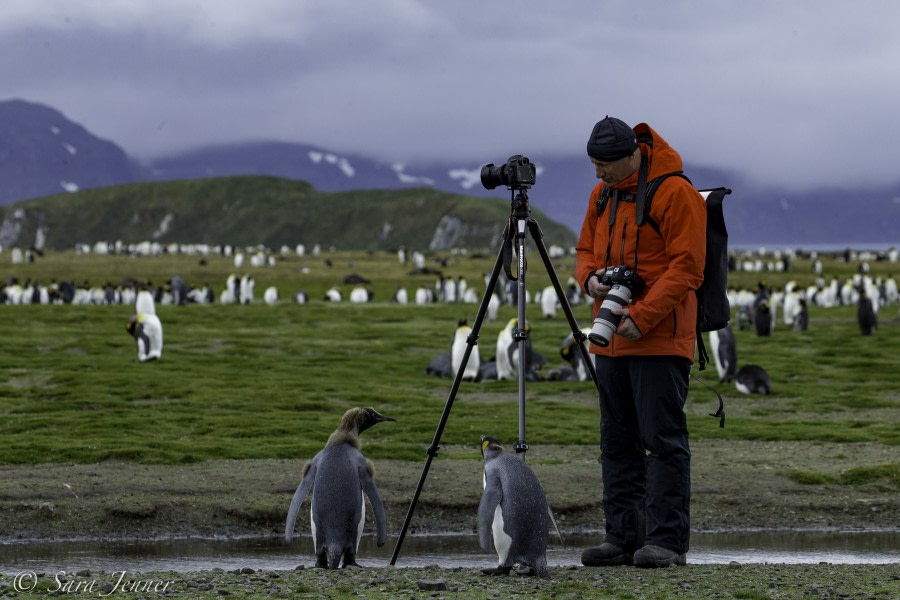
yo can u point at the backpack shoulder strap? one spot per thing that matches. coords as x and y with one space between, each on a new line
644 206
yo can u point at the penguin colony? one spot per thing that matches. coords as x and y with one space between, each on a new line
338 477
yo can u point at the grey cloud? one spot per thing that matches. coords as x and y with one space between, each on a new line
791 92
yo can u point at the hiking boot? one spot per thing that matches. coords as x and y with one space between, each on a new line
653 556
605 555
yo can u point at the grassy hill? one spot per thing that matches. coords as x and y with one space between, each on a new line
268 211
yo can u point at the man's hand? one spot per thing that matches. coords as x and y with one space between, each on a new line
595 289
627 328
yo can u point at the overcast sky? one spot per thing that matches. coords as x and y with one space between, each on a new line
794 91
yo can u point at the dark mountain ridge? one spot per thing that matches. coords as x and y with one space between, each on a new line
43 153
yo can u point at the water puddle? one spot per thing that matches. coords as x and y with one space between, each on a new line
184 555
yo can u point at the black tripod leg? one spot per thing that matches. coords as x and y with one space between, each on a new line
435 443
521 333
563 300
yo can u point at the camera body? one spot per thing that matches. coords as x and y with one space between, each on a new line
517 173
624 284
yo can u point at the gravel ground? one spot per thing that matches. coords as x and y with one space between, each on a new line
736 485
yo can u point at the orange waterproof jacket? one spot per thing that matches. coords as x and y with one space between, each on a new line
671 262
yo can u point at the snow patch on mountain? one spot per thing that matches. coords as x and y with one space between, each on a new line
404 178
341 163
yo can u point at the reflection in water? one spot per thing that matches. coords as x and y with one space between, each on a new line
445 551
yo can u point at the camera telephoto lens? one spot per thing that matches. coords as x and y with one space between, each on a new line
606 322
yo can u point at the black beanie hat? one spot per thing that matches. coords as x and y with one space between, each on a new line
611 140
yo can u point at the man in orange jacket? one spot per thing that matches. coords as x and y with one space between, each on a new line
643 368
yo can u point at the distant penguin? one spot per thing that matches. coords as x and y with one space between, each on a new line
401 296
493 307
570 353
801 318
146 329
458 350
753 379
791 302
339 475
513 512
144 303
763 319
724 350
488 371
270 296
549 302
247 285
333 295
301 297
179 291
439 366
505 369
865 314
67 291
360 295
424 296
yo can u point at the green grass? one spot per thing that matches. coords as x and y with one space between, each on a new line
258 381
887 475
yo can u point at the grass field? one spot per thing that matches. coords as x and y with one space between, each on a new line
259 381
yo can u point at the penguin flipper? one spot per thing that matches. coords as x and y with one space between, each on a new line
371 491
302 490
490 500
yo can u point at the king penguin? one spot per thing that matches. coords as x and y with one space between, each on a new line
724 351
753 379
513 511
338 476
144 303
865 314
458 350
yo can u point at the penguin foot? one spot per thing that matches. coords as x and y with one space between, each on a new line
497 572
350 561
529 571
321 562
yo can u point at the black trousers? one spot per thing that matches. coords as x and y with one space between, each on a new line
644 451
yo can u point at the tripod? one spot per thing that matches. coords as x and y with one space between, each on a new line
517 226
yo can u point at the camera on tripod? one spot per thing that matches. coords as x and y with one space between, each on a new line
517 173
625 283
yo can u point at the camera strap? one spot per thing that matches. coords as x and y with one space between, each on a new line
508 241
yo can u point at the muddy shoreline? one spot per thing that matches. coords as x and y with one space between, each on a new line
736 486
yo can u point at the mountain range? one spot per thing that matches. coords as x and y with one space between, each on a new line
44 153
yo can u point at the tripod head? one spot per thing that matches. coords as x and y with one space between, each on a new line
519 208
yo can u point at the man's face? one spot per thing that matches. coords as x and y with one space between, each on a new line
616 171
